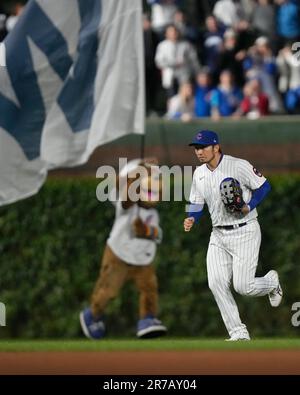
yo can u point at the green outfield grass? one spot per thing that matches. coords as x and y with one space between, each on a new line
148 345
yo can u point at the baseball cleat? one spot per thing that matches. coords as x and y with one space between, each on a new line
91 327
236 339
275 296
150 327
240 335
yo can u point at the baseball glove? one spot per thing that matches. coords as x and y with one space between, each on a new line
232 195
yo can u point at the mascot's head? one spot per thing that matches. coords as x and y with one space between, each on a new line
141 180
150 187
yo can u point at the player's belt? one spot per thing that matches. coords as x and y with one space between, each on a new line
230 227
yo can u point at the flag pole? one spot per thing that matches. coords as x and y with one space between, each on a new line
142 147
142 156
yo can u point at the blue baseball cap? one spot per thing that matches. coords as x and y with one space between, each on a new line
205 138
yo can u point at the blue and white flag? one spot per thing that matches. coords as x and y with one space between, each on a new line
73 80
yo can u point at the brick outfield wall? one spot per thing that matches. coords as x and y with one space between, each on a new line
271 144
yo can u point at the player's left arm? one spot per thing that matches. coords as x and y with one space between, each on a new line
257 183
259 194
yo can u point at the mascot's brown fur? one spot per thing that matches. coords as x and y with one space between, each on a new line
130 251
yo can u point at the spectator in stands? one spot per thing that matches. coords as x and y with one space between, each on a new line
181 106
289 81
3 31
288 21
186 30
263 20
177 60
235 14
226 98
212 43
203 93
162 13
228 12
228 57
17 10
255 103
260 63
151 71
247 8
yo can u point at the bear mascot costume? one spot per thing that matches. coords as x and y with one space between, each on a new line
130 250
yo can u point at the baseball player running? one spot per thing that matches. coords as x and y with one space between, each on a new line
232 189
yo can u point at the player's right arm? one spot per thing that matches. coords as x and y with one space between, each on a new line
195 207
195 212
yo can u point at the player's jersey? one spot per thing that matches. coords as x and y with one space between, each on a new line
206 188
132 250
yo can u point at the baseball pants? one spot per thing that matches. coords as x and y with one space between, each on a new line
233 257
114 273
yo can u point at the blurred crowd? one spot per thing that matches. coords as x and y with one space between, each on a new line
9 16
239 62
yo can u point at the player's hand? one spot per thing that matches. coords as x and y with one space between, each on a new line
188 223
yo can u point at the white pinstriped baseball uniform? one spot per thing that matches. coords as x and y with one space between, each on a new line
232 254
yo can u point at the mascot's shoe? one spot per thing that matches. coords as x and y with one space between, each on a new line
275 296
91 327
240 335
150 327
